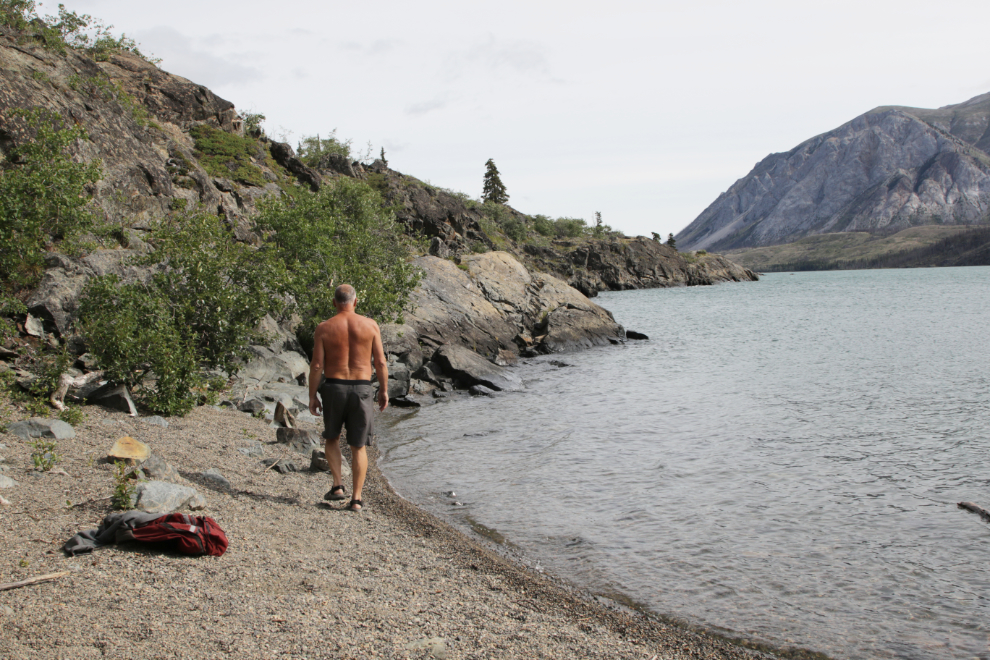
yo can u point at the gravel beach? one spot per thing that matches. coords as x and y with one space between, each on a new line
301 578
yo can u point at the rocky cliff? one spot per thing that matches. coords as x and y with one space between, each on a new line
887 170
166 142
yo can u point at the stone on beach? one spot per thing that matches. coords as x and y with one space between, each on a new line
129 450
155 467
256 450
39 427
480 390
7 482
156 420
300 441
214 478
435 645
163 497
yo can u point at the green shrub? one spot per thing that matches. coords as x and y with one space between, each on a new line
43 453
227 155
543 225
339 235
43 197
199 310
570 227
312 149
49 368
67 30
123 488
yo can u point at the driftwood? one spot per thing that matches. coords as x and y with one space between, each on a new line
66 381
34 580
975 508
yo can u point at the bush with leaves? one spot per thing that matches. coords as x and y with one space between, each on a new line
342 234
67 30
43 196
311 150
570 227
199 310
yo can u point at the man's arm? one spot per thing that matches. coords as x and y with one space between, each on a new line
381 369
316 371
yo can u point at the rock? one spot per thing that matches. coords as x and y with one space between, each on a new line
431 372
40 427
253 406
4 502
283 416
434 645
438 248
403 402
129 450
163 497
158 469
34 326
215 479
115 397
7 482
480 390
438 394
282 465
156 420
197 503
632 334
257 450
472 369
285 156
300 441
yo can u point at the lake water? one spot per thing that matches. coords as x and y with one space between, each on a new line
780 461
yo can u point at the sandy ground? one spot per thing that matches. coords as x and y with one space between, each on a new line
300 579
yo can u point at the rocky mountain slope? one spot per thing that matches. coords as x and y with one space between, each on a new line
887 170
165 142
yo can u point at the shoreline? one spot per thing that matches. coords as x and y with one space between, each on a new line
301 579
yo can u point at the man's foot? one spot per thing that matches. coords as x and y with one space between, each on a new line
336 493
355 505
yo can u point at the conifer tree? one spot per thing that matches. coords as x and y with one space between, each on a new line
671 242
494 189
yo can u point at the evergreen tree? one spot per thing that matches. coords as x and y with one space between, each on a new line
494 189
656 236
599 229
671 242
384 162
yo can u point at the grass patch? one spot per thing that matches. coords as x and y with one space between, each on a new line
227 155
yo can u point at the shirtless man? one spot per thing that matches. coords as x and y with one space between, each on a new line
344 346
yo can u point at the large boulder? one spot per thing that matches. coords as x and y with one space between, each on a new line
470 369
163 497
300 441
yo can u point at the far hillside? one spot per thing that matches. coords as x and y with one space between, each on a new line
912 248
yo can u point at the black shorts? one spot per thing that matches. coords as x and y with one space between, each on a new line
348 403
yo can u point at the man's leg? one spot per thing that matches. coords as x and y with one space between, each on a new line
331 449
359 468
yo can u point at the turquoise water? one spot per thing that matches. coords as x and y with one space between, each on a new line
780 461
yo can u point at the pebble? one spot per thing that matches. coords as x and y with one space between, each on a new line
157 420
4 501
6 482
214 478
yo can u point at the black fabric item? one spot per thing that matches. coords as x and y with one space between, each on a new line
107 532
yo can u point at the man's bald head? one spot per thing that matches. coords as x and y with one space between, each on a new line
344 295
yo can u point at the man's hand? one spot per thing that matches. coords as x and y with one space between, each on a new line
382 399
315 407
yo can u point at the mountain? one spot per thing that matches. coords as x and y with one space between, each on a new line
885 171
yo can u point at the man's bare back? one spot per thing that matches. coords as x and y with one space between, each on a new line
344 347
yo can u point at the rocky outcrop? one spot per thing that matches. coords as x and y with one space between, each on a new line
495 306
885 171
621 264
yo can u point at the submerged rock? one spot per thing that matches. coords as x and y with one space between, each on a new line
472 369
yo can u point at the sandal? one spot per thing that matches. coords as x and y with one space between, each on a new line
355 503
334 495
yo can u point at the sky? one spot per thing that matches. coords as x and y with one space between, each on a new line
643 111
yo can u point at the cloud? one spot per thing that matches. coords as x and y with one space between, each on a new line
518 56
377 47
180 55
419 109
